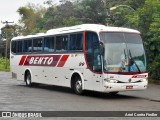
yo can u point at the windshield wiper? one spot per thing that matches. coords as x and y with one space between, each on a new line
125 54
132 60
123 62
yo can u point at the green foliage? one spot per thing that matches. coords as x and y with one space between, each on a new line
150 27
155 32
3 64
92 11
71 21
154 68
8 32
30 15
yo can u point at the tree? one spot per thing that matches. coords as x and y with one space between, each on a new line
91 11
2 47
30 14
8 32
126 14
61 15
153 36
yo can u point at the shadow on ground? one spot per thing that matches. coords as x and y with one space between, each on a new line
86 93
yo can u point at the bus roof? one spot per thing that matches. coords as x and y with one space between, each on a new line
83 27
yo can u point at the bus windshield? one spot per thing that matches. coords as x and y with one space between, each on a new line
124 52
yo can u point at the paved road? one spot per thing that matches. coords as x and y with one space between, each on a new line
15 96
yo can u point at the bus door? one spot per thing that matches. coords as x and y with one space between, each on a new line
97 67
93 73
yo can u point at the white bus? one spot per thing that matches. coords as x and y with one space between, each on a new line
83 57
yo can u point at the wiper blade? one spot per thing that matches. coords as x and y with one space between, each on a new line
131 58
125 54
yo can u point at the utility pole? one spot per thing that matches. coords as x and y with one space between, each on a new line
7 38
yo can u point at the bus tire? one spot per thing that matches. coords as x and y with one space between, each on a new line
77 86
28 79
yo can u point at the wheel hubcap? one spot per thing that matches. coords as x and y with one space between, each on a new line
28 80
79 86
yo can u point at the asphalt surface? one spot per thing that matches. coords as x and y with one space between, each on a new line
15 96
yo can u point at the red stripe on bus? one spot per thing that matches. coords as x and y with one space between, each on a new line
63 60
22 60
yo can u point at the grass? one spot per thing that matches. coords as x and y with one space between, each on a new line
4 66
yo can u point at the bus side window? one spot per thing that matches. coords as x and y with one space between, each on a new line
27 46
19 46
79 42
64 43
13 49
58 44
49 44
92 51
37 45
97 67
72 42
76 42
61 43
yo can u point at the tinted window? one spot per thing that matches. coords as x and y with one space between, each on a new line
76 41
61 43
37 45
27 46
92 51
19 46
49 44
92 38
64 43
13 48
79 42
72 45
58 43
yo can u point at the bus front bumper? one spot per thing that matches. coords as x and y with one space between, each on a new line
115 87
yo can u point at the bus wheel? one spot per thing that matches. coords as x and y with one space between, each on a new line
78 86
28 79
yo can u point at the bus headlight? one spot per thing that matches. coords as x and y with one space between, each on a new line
143 80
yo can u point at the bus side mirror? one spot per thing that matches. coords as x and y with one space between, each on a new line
101 46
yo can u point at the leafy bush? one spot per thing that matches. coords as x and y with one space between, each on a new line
154 69
3 65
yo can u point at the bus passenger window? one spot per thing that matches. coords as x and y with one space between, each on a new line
58 44
27 46
79 41
76 41
37 45
72 42
13 49
19 46
49 44
64 43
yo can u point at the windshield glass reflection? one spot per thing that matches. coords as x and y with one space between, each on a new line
124 52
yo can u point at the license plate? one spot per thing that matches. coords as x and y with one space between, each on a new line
129 87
